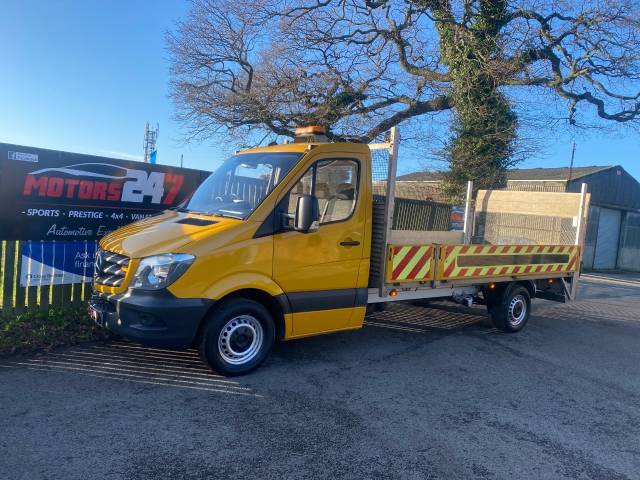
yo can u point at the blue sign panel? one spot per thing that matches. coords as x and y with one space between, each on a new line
56 263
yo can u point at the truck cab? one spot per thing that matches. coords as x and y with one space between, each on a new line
274 245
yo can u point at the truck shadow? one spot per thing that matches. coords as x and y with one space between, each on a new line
134 363
131 362
429 317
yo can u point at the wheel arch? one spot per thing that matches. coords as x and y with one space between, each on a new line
273 304
502 287
496 295
529 285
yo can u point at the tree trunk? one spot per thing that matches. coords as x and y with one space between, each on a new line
484 125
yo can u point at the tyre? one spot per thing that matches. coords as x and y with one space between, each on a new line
510 312
237 337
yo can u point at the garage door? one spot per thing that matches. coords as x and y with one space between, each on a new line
607 241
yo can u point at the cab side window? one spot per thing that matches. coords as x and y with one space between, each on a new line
335 185
303 187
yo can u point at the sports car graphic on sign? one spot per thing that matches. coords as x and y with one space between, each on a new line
95 170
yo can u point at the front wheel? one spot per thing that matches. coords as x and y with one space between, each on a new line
237 337
510 313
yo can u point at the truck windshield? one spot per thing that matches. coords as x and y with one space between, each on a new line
241 183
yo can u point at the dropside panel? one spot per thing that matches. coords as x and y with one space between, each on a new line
464 262
410 263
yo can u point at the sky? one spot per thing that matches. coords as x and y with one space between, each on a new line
84 76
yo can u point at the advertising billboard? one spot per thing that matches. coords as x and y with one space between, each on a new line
52 195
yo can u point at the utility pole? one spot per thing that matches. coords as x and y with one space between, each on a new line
149 143
573 154
181 156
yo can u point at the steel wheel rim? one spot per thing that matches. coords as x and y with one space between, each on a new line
517 310
240 339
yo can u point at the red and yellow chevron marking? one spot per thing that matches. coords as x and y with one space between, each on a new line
410 263
477 261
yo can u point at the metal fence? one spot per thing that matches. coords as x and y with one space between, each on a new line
38 288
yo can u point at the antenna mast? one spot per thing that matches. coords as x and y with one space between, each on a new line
149 143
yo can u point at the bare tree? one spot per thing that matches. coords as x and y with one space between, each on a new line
360 67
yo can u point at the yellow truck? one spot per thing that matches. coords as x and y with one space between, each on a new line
293 240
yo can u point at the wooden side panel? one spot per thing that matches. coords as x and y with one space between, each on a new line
526 218
549 204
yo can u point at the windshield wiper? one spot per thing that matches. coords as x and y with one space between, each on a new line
218 214
210 213
226 214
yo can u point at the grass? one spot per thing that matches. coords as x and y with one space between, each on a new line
46 329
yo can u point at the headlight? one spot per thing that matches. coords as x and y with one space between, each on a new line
160 271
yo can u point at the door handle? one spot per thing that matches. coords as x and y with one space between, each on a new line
350 243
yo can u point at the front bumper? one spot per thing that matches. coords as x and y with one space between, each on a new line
151 317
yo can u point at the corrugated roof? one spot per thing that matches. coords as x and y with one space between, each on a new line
420 177
554 173
518 174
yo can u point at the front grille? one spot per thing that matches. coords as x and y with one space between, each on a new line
110 268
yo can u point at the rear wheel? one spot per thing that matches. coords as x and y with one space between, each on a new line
510 312
237 337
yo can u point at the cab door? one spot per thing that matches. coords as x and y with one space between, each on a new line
319 270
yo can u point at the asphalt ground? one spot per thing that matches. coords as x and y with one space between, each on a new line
421 392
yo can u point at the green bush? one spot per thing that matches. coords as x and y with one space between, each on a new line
45 329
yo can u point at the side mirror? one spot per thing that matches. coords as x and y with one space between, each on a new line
307 214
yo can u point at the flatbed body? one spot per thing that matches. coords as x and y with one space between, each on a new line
431 271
